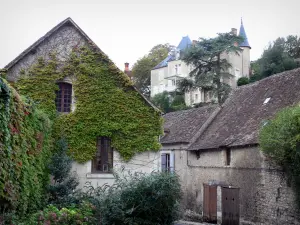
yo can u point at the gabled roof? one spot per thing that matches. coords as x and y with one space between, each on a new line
243 113
184 43
67 21
182 126
242 33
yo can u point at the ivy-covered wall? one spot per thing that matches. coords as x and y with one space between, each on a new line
106 104
25 145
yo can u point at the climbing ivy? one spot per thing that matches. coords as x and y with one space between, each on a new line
24 152
106 105
39 83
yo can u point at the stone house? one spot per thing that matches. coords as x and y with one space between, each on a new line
165 76
62 39
224 149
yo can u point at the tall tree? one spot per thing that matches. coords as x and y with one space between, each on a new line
209 66
141 70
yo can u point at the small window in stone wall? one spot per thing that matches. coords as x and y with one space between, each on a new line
227 157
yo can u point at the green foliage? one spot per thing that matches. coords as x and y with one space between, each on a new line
280 140
83 214
142 68
140 199
209 67
25 145
169 103
178 103
242 81
64 183
39 84
281 55
162 101
106 105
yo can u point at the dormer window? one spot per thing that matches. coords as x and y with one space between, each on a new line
63 99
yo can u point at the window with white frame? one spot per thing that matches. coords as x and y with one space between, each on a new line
167 161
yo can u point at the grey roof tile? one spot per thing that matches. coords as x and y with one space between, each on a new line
241 116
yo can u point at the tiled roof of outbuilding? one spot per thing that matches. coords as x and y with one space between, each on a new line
241 116
181 126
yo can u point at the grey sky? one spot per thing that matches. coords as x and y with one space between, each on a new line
127 29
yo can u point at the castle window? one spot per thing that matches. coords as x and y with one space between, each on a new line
103 161
63 98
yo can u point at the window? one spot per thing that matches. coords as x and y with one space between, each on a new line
173 83
103 161
196 97
165 162
176 69
179 69
228 157
63 98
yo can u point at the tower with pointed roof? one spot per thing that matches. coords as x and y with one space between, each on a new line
245 55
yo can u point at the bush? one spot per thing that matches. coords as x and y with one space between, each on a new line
140 199
280 140
242 81
83 215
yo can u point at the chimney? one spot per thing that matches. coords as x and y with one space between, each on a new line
234 31
126 66
194 42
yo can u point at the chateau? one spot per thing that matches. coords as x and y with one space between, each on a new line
165 76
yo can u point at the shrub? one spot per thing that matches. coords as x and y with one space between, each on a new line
242 81
83 215
64 183
280 140
140 199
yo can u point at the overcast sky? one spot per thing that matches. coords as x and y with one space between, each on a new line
127 29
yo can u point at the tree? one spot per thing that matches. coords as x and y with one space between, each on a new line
162 101
141 70
281 55
64 183
169 102
209 67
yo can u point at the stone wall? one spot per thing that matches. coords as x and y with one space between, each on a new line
61 41
265 197
145 162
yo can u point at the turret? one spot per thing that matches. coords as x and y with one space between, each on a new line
245 55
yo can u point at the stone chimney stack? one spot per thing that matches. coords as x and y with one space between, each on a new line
126 66
194 42
234 31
